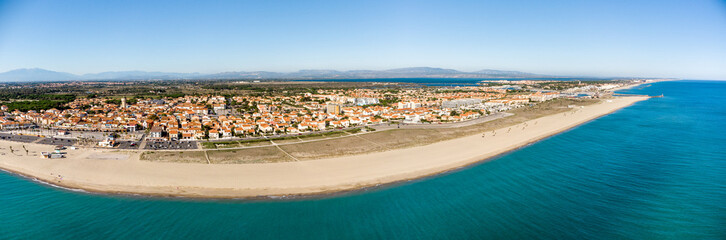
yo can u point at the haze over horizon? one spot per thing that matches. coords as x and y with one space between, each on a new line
600 39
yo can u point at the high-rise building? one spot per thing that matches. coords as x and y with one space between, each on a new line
332 108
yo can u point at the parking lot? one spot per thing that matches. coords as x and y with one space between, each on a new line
128 144
98 136
58 141
162 145
18 138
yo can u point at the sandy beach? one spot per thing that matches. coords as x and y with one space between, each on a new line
121 172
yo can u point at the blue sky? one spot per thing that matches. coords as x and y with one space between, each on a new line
685 39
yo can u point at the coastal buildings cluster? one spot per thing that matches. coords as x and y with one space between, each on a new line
215 117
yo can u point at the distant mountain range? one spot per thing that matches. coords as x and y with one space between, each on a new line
37 75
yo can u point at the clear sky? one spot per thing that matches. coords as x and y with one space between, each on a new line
665 38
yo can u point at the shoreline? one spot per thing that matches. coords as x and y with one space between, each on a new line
290 180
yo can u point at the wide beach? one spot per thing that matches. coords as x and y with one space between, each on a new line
115 171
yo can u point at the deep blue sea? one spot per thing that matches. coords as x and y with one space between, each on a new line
654 170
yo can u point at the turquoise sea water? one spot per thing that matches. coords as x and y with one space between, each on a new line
655 170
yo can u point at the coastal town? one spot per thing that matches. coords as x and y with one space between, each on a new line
122 122
142 159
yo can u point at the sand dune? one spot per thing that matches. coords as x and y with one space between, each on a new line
116 171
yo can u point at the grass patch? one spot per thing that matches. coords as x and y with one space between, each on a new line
354 130
330 148
264 142
287 140
174 156
248 155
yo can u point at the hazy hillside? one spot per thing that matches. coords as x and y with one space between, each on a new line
37 74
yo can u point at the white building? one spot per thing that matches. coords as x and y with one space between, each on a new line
412 118
408 105
366 101
460 102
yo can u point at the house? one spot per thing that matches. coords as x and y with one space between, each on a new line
155 132
173 134
412 118
265 128
213 134
292 130
187 136
226 133
131 127
199 134
355 121
247 127
470 115
239 131
319 124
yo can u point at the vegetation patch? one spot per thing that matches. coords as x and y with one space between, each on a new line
248 155
174 156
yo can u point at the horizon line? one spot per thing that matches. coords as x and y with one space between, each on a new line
349 70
